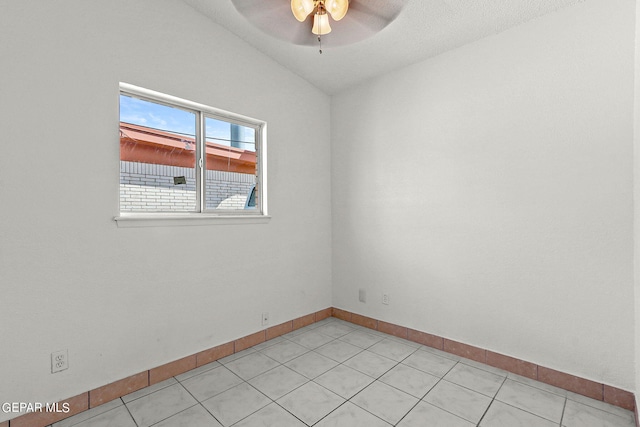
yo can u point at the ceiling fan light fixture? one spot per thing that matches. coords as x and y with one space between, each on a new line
302 8
337 8
321 24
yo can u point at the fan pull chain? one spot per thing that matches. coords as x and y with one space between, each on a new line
320 41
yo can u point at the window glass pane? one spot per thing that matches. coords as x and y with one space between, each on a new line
157 157
231 165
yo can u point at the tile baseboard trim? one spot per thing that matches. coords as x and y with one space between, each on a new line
122 387
572 383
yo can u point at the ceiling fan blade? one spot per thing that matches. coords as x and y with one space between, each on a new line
302 34
375 14
274 17
250 8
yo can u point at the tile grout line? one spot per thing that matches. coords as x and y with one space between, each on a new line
331 412
195 398
137 398
416 404
173 415
257 410
438 382
129 412
493 399
290 413
564 408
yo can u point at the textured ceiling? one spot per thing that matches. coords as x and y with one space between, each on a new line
422 29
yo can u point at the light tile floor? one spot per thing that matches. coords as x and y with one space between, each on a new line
336 374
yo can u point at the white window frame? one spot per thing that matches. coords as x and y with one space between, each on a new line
202 215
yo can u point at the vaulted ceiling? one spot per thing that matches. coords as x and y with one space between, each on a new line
422 29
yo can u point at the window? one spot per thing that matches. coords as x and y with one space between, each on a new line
183 159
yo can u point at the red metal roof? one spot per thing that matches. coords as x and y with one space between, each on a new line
148 145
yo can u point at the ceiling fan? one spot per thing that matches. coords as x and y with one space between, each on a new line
363 19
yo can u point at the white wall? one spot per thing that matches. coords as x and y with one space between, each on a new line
636 192
125 300
489 191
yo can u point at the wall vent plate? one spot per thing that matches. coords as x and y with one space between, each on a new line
177 180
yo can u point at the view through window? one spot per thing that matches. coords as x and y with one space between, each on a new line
177 158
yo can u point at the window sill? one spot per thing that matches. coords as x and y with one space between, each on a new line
170 220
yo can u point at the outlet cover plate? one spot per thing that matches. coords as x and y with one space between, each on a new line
59 361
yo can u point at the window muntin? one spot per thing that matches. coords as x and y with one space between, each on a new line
177 156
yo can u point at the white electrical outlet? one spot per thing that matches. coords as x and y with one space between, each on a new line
59 361
265 319
362 296
385 299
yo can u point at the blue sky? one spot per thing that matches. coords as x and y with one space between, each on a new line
157 116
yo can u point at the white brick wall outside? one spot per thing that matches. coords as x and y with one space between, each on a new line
149 188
